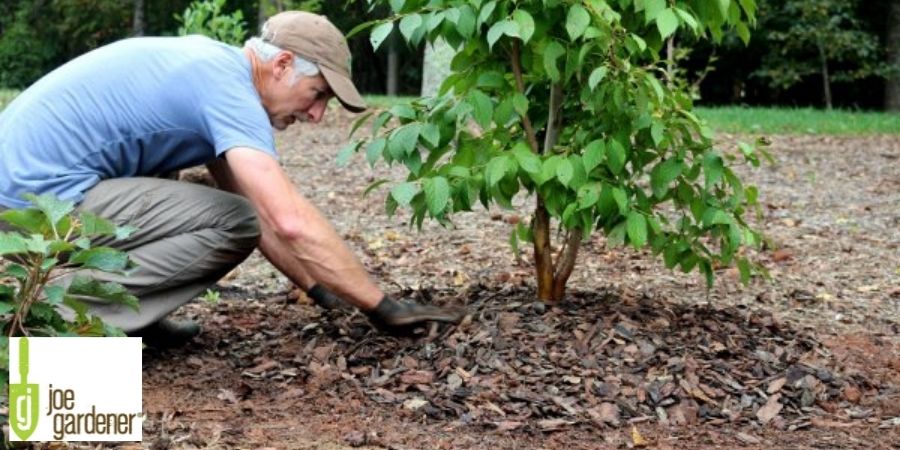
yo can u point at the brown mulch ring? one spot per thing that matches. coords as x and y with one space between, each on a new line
602 361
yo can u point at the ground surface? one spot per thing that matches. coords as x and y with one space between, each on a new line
810 359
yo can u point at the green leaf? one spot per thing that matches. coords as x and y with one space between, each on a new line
663 174
403 140
526 24
486 12
723 7
374 150
380 33
437 194
30 220
54 294
712 169
52 207
483 108
589 195
616 156
564 172
6 307
403 111
431 133
397 5
113 292
526 158
346 152
12 243
577 21
16 271
657 87
689 19
520 104
491 79
621 199
667 22
616 237
594 153
637 229
101 258
652 8
503 27
553 51
409 25
465 25
597 76
403 193
495 170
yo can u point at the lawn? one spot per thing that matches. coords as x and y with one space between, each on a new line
736 119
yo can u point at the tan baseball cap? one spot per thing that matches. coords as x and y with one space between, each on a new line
317 40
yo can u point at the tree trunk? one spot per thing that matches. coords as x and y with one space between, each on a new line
436 66
892 85
138 26
826 80
393 65
261 15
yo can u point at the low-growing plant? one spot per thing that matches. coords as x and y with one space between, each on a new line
207 18
49 241
569 101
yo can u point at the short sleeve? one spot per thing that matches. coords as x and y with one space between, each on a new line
235 118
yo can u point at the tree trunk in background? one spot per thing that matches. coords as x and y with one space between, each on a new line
261 15
436 66
393 65
138 26
892 85
826 80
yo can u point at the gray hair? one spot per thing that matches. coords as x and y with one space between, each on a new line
266 51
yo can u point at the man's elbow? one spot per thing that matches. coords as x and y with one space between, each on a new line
291 229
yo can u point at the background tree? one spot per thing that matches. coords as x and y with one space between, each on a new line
892 91
563 99
819 37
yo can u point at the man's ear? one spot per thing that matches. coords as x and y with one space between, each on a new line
282 62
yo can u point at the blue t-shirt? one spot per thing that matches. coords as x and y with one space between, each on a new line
137 107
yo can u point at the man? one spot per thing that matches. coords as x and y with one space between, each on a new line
98 129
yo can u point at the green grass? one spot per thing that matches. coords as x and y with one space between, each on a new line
766 120
799 121
6 96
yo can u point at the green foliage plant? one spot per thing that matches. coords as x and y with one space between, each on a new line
571 102
50 240
207 17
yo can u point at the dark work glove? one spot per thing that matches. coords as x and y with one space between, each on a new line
326 299
393 316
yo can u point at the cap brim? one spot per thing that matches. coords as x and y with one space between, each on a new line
344 89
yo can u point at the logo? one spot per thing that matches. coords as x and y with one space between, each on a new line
23 398
75 389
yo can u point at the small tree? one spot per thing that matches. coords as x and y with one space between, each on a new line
563 99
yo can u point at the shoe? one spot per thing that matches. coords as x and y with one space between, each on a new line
393 316
168 333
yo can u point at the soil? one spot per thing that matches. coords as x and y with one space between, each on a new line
637 356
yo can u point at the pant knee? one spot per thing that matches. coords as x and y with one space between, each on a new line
243 226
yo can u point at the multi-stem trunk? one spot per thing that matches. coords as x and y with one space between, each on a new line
551 276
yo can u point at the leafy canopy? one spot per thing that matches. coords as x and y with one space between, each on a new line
568 100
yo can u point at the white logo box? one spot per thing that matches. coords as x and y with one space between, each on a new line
90 377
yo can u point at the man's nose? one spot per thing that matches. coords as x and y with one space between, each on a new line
317 112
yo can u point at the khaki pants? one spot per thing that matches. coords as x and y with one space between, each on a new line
189 236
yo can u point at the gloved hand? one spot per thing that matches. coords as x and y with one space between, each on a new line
326 299
396 316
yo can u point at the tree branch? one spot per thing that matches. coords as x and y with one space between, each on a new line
520 85
566 263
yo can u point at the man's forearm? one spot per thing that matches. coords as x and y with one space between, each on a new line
325 260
